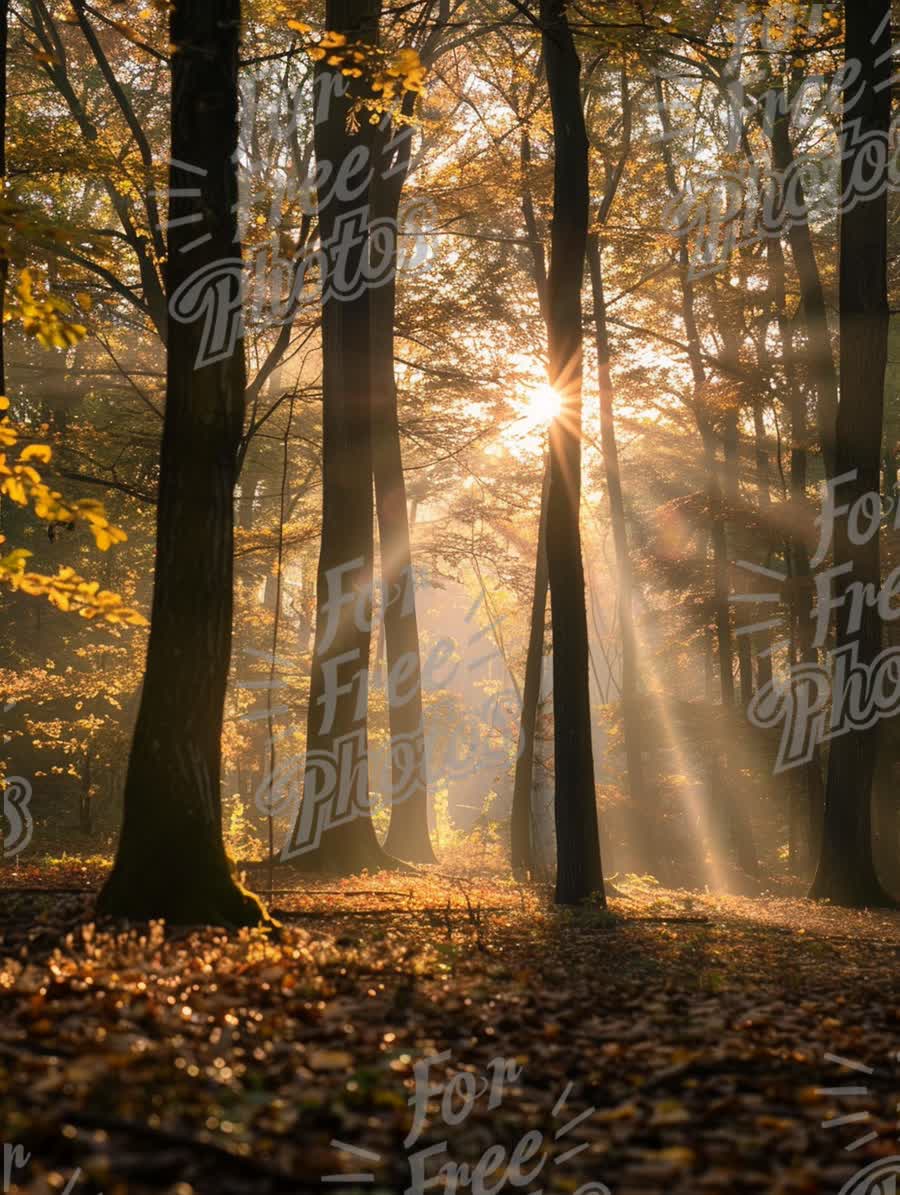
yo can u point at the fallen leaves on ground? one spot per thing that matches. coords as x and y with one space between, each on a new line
678 1042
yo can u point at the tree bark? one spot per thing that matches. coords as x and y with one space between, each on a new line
645 819
821 361
407 836
579 872
763 481
522 843
171 861
846 873
333 831
725 810
802 592
522 816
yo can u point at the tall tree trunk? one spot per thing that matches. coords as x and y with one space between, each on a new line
733 498
408 830
522 816
522 821
579 872
802 587
171 861
730 319
846 872
645 821
764 498
813 311
725 807
704 424
269 805
333 831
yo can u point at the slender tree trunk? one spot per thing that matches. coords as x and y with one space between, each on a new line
171 861
764 498
522 816
522 844
730 318
802 587
85 804
645 821
815 320
704 424
408 830
733 499
334 830
725 805
270 804
579 871
846 872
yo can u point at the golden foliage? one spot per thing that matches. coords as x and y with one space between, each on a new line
23 484
66 590
45 317
389 75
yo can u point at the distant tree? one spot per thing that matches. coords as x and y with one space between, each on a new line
812 312
579 869
644 821
171 861
522 845
408 830
522 819
846 873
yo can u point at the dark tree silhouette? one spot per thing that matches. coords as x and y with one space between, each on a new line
521 822
334 831
644 822
408 830
812 295
579 872
846 872
171 861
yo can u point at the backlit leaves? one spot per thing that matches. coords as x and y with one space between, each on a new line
388 74
21 482
45 317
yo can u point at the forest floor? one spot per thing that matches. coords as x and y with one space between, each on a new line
678 1043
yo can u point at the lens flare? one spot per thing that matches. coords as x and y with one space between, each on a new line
544 403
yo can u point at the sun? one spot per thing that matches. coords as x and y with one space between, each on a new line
543 403
535 404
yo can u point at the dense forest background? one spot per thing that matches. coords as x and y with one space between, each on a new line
711 366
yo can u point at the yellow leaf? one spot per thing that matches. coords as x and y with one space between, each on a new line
37 452
14 489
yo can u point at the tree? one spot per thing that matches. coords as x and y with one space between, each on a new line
522 852
334 831
521 822
579 868
171 861
408 830
644 821
812 307
846 871
797 550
